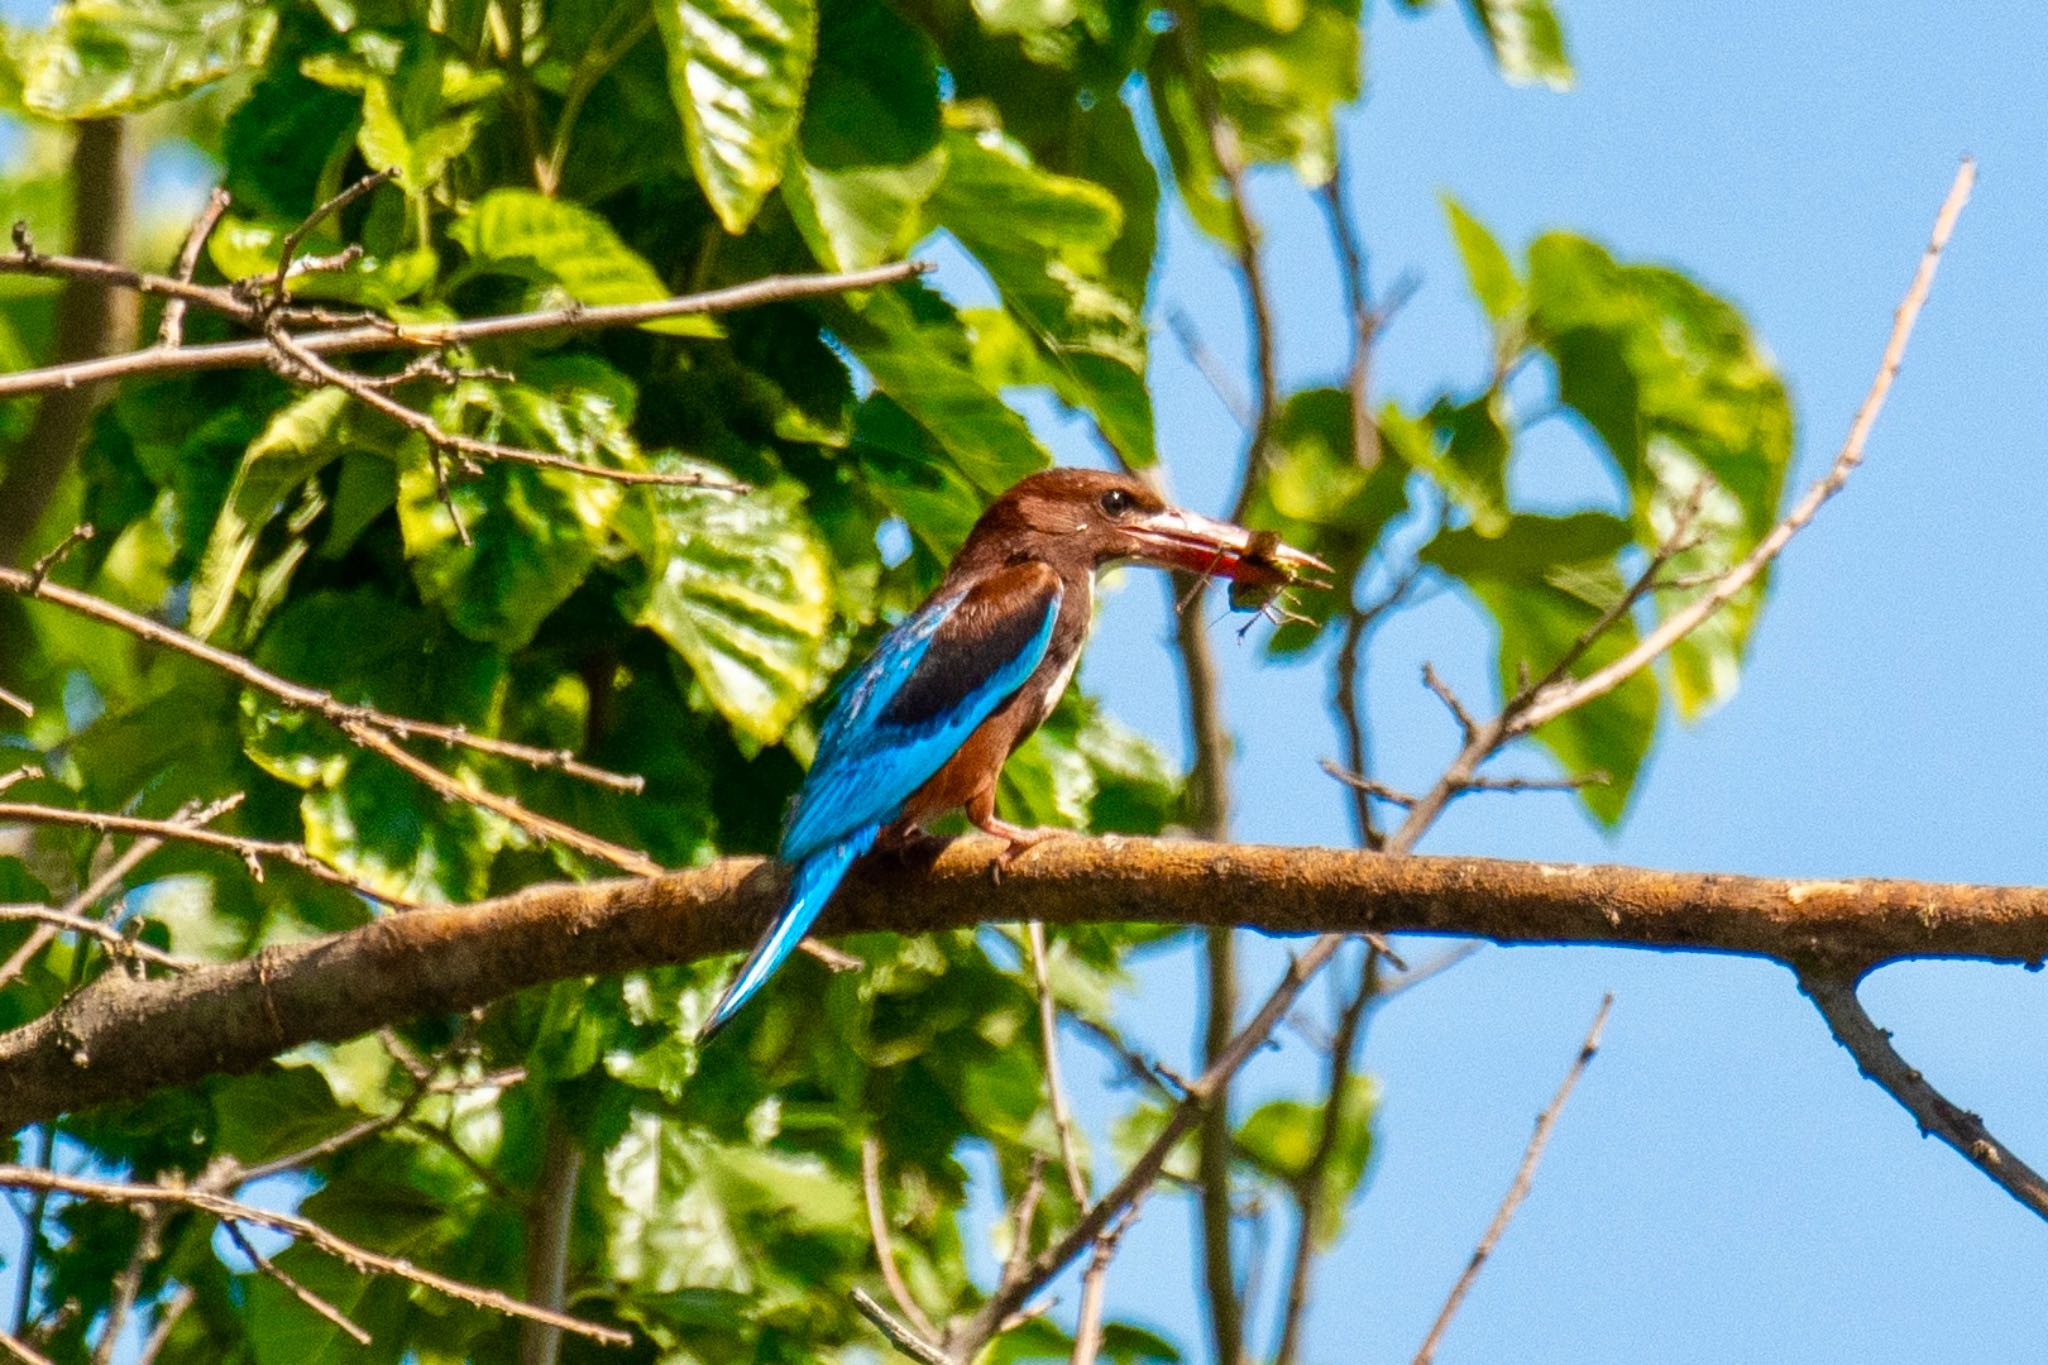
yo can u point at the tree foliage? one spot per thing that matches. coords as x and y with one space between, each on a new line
578 150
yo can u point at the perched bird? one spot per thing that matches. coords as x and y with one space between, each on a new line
925 725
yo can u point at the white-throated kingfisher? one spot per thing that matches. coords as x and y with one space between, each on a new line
925 725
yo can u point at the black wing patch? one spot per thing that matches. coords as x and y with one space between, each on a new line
998 620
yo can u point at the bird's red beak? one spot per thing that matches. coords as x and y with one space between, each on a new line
1185 540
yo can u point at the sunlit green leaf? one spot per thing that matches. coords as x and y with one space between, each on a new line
297 444
1690 406
1527 41
869 154
1487 267
737 71
102 57
534 533
911 341
529 234
1547 581
1044 240
741 589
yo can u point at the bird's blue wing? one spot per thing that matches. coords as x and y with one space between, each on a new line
913 703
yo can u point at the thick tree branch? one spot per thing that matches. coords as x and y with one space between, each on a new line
121 1038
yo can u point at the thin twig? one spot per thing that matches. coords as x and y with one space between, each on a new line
1209 367
166 1319
192 813
252 852
1679 624
1049 1043
298 696
1365 432
1094 1283
902 1337
542 827
298 1291
1519 1189
21 704
39 572
319 215
303 363
359 1258
885 1242
17 1349
1834 995
383 336
170 331
118 944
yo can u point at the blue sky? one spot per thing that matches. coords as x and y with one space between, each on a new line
1724 1185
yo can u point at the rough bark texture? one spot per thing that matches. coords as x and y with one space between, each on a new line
122 1038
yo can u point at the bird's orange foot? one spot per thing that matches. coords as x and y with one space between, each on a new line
1020 840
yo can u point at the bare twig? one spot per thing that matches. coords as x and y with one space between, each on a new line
542 827
901 1336
192 813
117 943
358 1258
1546 1122
166 1320
289 251
1094 1281
252 852
1365 432
300 362
21 704
383 336
1049 1042
1833 993
298 1291
170 331
298 696
17 1349
39 572
1209 367
885 1242
1675 627
1394 796
550 1216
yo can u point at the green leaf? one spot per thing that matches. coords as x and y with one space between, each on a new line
1044 240
1683 397
1546 581
103 57
531 235
912 341
1526 39
741 589
869 153
1312 490
1491 273
534 532
298 443
737 71
906 468
1280 1137
1280 88
1469 459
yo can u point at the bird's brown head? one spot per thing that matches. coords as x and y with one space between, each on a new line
1091 517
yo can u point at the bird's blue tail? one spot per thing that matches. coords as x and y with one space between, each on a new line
816 878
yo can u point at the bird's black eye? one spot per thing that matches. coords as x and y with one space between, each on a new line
1116 503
